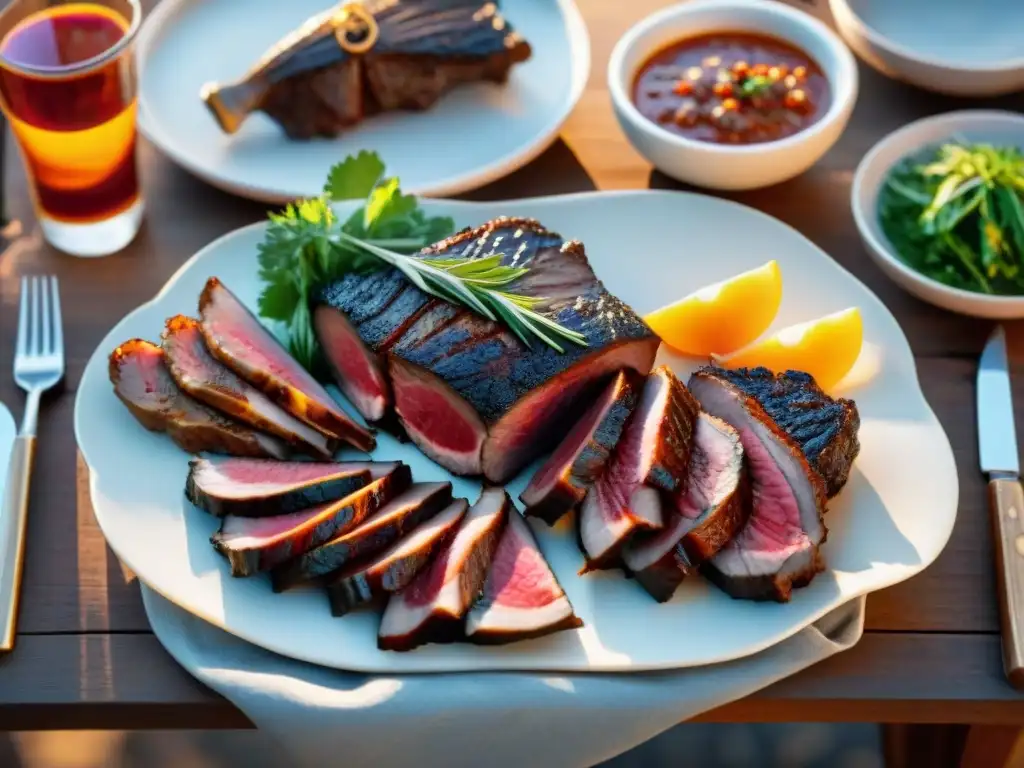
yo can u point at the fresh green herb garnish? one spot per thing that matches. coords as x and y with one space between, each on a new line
955 214
306 247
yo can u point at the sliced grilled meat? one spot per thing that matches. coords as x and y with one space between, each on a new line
432 607
238 340
699 521
778 547
467 392
392 521
521 598
824 428
397 566
198 374
652 459
254 544
563 480
142 382
261 488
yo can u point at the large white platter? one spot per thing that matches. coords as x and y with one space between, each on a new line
891 520
474 135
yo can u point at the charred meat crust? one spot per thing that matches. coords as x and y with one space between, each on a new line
160 406
308 402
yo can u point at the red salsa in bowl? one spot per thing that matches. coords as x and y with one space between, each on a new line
732 88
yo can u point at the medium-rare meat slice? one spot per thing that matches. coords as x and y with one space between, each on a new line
254 544
431 609
824 428
236 338
200 375
398 565
651 459
699 521
261 487
563 480
778 547
417 504
467 391
521 598
142 382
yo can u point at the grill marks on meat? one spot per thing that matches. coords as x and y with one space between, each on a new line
563 480
503 404
652 459
196 372
431 609
392 521
521 598
397 566
702 519
261 543
312 87
262 488
777 549
142 382
824 428
237 339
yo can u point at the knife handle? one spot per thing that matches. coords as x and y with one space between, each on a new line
1006 500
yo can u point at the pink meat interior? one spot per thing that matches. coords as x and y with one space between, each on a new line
280 473
520 577
254 532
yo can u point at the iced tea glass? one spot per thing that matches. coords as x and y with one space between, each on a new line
68 90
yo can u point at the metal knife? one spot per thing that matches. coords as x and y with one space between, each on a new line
997 444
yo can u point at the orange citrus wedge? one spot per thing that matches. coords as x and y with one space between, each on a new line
722 317
826 348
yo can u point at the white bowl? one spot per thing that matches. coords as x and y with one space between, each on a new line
972 125
732 167
958 47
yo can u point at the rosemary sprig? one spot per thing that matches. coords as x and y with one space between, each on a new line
474 283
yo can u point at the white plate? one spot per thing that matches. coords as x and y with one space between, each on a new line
474 135
650 248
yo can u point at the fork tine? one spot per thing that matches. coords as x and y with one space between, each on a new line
46 324
34 319
58 329
22 347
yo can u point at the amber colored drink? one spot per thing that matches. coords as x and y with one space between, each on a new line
71 104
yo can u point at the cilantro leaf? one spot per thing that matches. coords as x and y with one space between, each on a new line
386 202
355 177
278 300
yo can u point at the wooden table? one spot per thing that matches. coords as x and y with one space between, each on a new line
86 657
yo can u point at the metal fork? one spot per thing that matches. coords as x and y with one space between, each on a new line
38 366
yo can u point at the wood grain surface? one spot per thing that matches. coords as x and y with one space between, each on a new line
85 652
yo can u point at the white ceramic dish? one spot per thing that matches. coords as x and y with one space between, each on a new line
732 167
960 48
474 135
891 520
988 126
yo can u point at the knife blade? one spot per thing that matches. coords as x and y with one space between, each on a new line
997 434
997 450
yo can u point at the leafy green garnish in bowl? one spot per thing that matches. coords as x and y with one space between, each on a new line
955 213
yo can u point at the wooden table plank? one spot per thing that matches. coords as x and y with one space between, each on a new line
129 681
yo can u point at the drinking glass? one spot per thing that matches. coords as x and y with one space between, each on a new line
68 90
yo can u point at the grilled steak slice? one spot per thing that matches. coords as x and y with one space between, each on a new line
652 459
261 488
254 544
199 375
397 566
521 598
778 547
705 517
823 427
238 340
144 385
432 608
400 515
467 391
563 480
